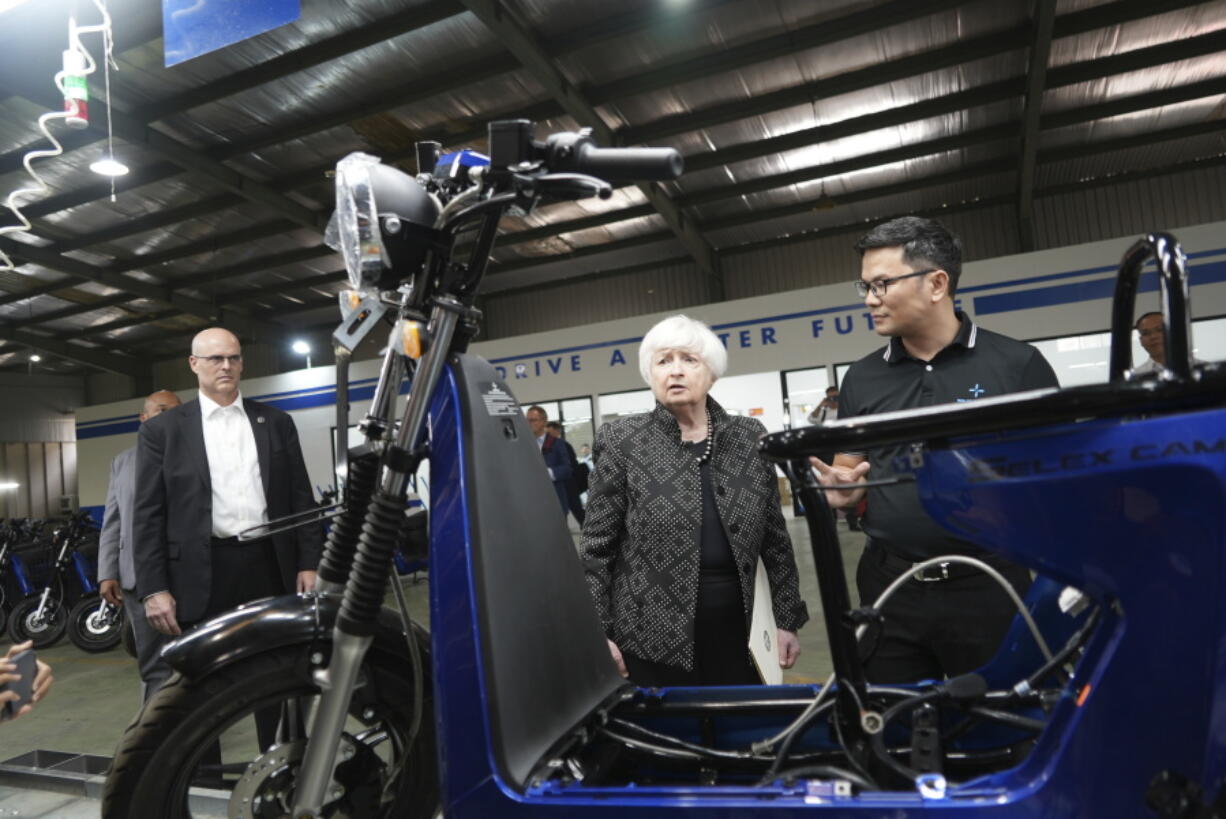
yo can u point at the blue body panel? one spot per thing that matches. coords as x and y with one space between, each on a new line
20 576
1129 510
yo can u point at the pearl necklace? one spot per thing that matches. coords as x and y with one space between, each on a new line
706 453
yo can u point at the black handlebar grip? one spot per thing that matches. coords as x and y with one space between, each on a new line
629 163
577 153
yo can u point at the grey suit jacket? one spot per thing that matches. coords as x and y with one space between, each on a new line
115 542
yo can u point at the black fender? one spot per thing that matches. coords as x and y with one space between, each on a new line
277 622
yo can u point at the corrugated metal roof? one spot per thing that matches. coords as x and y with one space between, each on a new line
798 117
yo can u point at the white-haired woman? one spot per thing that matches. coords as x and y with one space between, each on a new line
680 508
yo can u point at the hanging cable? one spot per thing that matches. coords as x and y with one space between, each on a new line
73 85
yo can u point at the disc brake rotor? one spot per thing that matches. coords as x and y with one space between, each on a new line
98 623
266 786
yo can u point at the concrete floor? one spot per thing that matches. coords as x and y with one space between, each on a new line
96 695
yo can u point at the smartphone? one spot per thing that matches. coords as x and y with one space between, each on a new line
27 667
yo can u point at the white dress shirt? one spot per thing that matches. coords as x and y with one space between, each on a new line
1150 366
234 467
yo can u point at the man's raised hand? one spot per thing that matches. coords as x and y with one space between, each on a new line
834 475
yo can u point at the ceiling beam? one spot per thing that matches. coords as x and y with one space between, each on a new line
240 323
516 37
821 32
1065 25
277 68
172 285
857 226
1079 72
101 359
209 244
981 136
1036 82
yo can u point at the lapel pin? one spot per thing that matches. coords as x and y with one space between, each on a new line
259 419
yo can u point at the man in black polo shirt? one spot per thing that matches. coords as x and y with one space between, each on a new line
951 619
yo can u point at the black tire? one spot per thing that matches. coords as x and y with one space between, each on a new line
159 754
129 638
45 633
92 632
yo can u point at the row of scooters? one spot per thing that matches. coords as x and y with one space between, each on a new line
47 586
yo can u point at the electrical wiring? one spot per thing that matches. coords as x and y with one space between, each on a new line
78 64
766 744
679 748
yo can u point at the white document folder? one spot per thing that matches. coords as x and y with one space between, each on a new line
763 633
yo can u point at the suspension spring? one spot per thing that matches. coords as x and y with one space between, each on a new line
364 591
347 527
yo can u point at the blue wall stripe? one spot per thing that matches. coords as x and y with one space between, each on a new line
1210 273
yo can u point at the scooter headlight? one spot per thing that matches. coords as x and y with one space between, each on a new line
353 230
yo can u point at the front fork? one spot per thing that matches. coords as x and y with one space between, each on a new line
57 573
367 580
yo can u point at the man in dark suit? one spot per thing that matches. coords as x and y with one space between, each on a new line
555 456
573 500
116 572
205 472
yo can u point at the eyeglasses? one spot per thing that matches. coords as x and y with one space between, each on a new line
878 287
218 360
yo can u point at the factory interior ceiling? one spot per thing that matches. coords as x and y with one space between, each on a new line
795 118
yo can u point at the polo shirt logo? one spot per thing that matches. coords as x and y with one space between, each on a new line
976 391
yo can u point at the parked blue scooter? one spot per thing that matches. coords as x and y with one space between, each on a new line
69 600
14 579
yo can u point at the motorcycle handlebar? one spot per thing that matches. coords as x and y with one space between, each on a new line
578 153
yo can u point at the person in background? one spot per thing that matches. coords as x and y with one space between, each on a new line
556 461
948 619
828 409
573 490
1151 330
585 458
43 678
116 572
680 509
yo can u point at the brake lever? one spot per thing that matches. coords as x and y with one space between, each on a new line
564 186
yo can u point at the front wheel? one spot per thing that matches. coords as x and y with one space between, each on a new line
25 623
201 732
94 626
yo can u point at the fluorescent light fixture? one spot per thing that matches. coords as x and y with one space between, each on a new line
109 166
301 347
9 486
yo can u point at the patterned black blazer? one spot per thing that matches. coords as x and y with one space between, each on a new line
640 543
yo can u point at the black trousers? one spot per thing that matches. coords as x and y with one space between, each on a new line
936 629
575 502
243 572
721 643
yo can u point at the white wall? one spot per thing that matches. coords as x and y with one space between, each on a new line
782 331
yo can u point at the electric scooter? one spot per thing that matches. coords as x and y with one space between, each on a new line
512 707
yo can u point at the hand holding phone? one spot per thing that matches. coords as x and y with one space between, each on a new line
17 676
